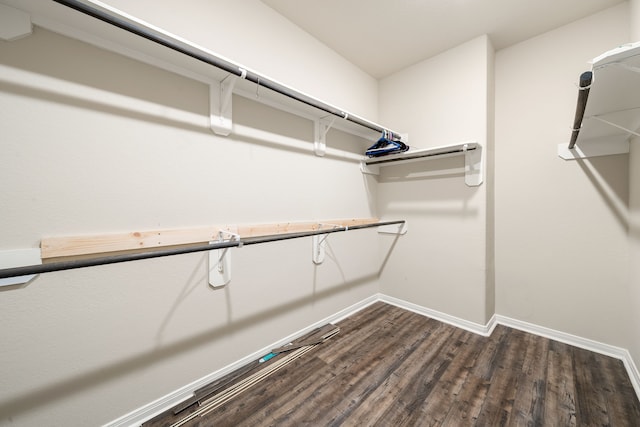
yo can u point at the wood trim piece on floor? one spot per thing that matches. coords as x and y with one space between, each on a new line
160 405
146 412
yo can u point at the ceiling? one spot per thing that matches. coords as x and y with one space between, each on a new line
384 36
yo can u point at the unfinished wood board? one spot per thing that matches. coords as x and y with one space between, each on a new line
211 397
316 336
54 247
322 335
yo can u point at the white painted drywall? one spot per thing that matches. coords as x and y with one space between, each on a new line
441 262
95 143
561 226
91 145
252 34
634 213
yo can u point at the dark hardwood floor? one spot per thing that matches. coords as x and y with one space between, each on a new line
392 367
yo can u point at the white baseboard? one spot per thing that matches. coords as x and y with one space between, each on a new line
145 413
476 328
576 341
632 371
497 319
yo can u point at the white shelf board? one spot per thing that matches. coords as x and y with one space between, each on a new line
612 113
472 151
422 154
595 147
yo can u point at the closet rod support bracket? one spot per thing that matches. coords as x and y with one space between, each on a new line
221 105
220 261
318 247
473 166
19 258
14 23
369 169
319 243
320 129
398 229
595 147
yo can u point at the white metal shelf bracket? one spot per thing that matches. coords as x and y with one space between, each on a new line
319 244
394 229
320 129
220 104
220 262
19 258
369 169
473 166
14 23
601 146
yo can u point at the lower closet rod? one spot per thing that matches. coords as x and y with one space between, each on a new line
113 259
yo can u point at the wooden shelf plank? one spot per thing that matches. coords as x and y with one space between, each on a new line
69 246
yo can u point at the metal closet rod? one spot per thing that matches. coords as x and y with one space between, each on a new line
210 59
400 157
583 94
114 259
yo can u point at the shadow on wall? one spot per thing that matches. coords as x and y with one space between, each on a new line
112 108
610 176
56 67
433 188
83 382
257 122
54 57
451 167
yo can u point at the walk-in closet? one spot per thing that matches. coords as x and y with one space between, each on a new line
337 212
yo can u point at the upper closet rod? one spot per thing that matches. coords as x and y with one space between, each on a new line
113 259
583 95
208 58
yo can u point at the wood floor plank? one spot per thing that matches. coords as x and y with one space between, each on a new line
410 381
503 372
621 397
262 403
392 367
365 369
416 395
461 393
465 409
591 407
528 406
386 321
560 392
346 370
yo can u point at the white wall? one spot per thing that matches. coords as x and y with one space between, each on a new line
561 226
442 262
90 145
253 34
95 143
634 210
